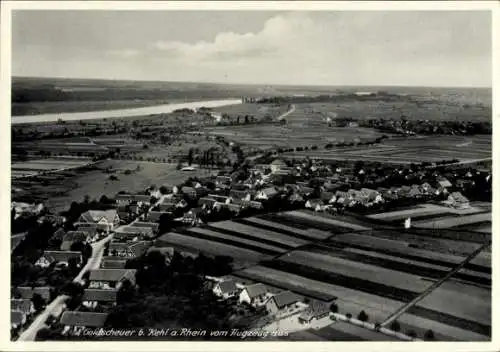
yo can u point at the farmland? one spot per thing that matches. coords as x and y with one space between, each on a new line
36 166
406 150
448 222
59 190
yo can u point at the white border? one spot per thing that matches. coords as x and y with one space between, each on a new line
5 60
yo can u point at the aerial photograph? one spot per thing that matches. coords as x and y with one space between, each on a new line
238 175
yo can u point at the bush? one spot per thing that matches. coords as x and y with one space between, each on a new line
349 315
113 178
362 316
411 333
395 326
429 335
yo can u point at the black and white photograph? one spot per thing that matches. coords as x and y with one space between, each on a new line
253 174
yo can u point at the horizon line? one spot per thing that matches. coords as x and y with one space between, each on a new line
250 84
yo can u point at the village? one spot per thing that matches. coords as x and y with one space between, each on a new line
96 247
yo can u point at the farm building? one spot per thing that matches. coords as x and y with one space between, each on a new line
155 215
255 295
315 311
110 278
28 292
23 305
266 193
443 182
129 199
315 204
113 263
295 197
152 225
282 301
129 249
458 201
207 202
62 258
72 237
242 195
106 220
17 319
189 191
74 321
226 289
277 165
92 297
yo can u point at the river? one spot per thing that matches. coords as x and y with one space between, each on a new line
129 112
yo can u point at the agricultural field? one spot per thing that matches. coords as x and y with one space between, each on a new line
450 222
424 210
301 129
36 166
208 247
258 111
399 150
310 234
59 190
428 109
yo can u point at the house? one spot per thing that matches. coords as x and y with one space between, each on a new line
132 231
152 225
255 205
415 192
443 182
295 198
328 197
192 216
277 165
458 201
130 249
92 297
23 305
75 321
315 204
17 319
59 257
220 199
25 292
242 195
266 193
72 237
305 191
282 301
167 206
189 191
90 229
223 180
315 311
106 220
155 215
426 188
110 278
255 295
372 195
113 263
206 203
226 289
133 199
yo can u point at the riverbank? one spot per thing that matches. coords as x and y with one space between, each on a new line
117 113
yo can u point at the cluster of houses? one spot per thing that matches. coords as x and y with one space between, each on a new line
276 303
22 306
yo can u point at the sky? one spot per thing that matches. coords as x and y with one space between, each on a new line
405 48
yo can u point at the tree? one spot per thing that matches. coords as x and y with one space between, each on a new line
43 334
38 301
348 315
190 156
395 326
429 335
179 166
362 316
411 333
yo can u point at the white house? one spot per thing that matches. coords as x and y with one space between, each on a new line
266 193
255 295
226 289
106 220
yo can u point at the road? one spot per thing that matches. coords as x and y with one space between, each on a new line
53 308
432 287
281 117
57 305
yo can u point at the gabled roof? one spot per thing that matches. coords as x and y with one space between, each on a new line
16 317
236 194
23 305
227 286
326 196
256 290
315 202
458 197
99 295
270 191
87 319
278 162
153 225
75 236
285 298
27 292
113 263
61 256
315 309
94 216
112 275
